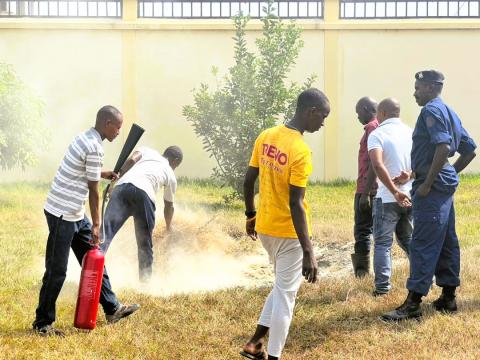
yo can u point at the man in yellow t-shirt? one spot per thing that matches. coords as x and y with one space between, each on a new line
282 160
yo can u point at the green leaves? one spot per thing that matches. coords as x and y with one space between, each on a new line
253 96
21 126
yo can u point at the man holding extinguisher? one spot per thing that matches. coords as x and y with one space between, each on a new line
76 179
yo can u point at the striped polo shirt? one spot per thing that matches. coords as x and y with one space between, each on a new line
81 163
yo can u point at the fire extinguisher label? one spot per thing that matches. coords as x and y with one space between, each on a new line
90 277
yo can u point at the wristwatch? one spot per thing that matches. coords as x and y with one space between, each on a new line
250 214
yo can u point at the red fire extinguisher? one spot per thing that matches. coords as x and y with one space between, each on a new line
89 289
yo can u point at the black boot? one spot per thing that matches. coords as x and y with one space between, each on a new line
361 264
446 302
410 309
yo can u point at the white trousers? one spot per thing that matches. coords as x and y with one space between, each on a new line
286 255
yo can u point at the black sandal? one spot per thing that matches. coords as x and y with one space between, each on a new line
258 356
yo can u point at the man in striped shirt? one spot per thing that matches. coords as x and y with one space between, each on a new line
77 178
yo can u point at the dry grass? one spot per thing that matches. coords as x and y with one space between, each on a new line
335 319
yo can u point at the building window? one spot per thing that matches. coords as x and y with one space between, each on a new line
61 8
222 9
404 9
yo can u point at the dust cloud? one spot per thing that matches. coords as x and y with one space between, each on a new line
197 256
201 254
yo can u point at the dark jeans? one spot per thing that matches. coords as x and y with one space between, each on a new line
128 200
363 227
63 235
434 250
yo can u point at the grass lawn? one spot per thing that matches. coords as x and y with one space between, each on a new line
334 319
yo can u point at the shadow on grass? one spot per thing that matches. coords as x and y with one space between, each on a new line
316 331
21 333
29 333
468 305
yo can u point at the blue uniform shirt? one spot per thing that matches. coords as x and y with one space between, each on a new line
438 124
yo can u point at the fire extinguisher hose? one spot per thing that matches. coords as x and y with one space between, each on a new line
105 199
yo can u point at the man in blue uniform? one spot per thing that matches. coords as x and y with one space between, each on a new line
434 249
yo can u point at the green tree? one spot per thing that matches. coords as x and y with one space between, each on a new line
22 131
252 96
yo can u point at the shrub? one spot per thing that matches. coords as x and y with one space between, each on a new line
250 98
21 122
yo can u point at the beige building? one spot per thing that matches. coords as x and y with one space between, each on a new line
149 67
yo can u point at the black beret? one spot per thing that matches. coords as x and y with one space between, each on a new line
430 76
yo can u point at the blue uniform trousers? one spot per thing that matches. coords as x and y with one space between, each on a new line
434 249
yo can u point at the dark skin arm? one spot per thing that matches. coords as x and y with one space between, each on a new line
439 158
299 218
365 197
463 161
249 195
93 201
168 213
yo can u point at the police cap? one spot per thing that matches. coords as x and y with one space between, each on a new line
430 76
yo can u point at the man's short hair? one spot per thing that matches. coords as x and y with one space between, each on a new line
173 152
310 98
107 112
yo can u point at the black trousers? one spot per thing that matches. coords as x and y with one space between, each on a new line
63 235
363 227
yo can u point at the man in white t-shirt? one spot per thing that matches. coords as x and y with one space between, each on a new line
389 148
142 175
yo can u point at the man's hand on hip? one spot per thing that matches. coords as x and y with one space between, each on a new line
403 178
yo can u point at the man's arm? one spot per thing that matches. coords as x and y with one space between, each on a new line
249 197
299 218
466 149
371 176
168 211
439 158
365 196
110 175
376 158
403 178
463 161
93 201
132 160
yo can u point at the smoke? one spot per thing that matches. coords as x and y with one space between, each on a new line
198 255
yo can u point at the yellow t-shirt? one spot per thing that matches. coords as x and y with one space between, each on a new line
283 158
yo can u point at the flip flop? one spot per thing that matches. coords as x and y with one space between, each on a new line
258 356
